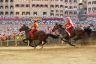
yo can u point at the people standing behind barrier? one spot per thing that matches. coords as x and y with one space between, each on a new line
44 27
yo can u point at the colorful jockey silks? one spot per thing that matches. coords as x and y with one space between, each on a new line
68 26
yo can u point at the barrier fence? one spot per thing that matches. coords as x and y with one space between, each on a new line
15 42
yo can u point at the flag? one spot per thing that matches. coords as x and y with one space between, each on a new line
68 26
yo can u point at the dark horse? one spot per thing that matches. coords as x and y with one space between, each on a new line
62 33
76 34
41 36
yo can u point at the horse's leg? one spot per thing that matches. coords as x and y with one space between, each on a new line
44 42
25 40
69 42
32 44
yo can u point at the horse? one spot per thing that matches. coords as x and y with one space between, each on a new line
39 35
62 33
76 34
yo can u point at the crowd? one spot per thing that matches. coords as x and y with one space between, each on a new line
10 29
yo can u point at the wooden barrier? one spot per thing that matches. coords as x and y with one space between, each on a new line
50 42
16 42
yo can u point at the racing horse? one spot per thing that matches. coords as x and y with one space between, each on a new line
41 36
76 34
62 33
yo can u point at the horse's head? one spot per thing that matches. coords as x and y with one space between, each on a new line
56 27
24 28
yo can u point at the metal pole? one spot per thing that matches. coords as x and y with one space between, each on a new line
28 42
7 42
1 43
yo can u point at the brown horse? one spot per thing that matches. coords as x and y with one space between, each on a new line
41 36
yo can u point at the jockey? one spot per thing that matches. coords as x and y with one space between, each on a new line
34 28
69 26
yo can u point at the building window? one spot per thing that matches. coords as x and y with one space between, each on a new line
11 13
61 14
70 12
51 14
75 12
22 5
27 5
61 11
44 13
70 7
11 7
1 13
1 7
34 13
89 9
75 6
57 6
46 5
93 9
52 6
75 1
17 13
6 13
66 6
89 2
1 0
37 5
6 0
52 0
23 13
61 6
57 10
52 10
11 0
66 12
93 2
57 0
6 7
85 8
70 1
27 13
57 14
17 5
41 5
61 0
66 0
33 5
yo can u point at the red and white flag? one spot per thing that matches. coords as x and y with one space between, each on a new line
68 26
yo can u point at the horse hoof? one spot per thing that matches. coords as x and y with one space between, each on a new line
34 48
73 45
42 47
76 47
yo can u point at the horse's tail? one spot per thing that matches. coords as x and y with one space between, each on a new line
53 36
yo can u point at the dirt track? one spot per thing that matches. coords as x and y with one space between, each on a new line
67 55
